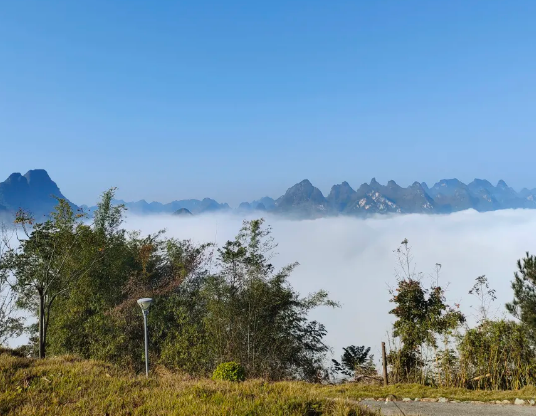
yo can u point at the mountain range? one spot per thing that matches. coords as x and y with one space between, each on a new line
35 190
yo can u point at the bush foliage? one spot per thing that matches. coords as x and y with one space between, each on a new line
230 371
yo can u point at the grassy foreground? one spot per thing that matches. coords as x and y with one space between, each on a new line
412 391
71 386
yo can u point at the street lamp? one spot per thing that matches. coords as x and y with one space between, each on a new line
145 303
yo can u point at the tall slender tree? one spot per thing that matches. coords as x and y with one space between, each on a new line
255 317
422 315
48 262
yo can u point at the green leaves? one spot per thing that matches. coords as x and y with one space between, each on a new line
422 315
497 355
50 262
230 371
253 314
354 360
9 325
523 306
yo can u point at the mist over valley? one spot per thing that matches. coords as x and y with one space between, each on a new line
353 259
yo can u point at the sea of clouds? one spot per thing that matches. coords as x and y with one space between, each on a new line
354 260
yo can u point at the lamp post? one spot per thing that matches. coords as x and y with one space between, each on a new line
145 303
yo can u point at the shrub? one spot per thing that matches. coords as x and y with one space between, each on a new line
497 355
16 352
230 371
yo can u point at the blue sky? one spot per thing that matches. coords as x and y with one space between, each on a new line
240 99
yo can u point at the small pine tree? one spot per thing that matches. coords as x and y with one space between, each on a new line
523 306
354 360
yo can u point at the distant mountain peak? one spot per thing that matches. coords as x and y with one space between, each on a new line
449 182
303 186
365 187
482 182
343 186
14 177
263 204
419 187
340 196
302 197
182 212
502 184
34 192
37 175
374 182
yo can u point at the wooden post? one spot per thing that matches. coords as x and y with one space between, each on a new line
41 324
384 360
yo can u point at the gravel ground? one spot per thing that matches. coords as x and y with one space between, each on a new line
449 409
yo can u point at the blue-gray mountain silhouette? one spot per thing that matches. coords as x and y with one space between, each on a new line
302 199
35 191
194 206
183 212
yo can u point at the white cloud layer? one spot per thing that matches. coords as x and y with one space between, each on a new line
353 259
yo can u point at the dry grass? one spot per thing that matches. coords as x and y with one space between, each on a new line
68 386
412 391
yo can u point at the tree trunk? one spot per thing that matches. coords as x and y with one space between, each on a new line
41 325
384 366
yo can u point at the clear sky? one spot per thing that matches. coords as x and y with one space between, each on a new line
240 99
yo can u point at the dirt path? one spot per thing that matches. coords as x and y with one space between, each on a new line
449 409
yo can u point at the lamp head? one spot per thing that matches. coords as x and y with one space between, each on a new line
145 303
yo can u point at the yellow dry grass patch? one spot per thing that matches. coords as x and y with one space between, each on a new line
412 391
69 386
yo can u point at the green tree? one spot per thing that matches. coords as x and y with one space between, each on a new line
422 316
101 319
9 324
179 337
355 361
83 322
523 306
48 262
255 317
